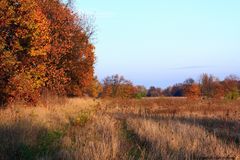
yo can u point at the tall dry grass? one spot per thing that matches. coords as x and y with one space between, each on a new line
174 140
69 129
119 129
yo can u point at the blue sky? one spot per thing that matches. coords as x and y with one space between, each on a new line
162 42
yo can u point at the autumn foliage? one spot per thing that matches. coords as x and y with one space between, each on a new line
95 89
117 86
192 91
208 86
44 46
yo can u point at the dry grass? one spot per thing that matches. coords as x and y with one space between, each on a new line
175 140
82 129
99 139
179 106
26 130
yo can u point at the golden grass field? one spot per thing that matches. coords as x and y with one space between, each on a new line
119 129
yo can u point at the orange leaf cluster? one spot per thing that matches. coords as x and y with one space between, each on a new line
43 46
192 91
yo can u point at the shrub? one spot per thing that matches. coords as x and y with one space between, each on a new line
233 95
81 119
47 144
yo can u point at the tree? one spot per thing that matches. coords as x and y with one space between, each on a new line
80 62
117 86
192 91
95 89
218 91
71 58
231 82
44 47
24 43
207 85
211 87
189 81
167 92
231 86
141 91
154 92
177 90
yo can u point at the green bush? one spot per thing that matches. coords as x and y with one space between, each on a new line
81 119
139 96
47 144
233 95
25 152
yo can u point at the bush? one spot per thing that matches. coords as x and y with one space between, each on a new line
233 95
139 96
47 144
81 119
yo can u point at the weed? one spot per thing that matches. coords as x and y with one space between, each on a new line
26 152
81 119
49 142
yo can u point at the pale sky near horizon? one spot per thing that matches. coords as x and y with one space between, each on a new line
162 42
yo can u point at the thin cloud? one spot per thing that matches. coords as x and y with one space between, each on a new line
190 67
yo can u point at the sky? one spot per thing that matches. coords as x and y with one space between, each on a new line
163 42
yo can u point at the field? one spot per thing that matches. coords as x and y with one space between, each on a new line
119 129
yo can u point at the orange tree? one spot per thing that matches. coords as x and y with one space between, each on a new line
95 89
192 91
24 42
44 46
231 87
118 87
71 58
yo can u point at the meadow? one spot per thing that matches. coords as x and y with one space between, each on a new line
49 63
116 129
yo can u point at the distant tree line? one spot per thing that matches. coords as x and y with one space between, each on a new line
44 48
208 86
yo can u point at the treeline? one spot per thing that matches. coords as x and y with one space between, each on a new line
208 86
44 48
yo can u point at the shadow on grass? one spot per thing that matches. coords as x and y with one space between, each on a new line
143 149
26 141
226 130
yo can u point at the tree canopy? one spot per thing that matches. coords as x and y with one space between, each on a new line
44 46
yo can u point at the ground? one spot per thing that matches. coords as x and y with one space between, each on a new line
105 129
